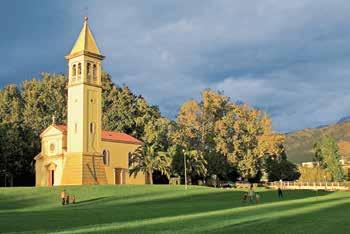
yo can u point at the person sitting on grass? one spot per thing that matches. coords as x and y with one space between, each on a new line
244 197
63 197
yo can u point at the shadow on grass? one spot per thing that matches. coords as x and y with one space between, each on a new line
316 218
13 203
210 221
112 211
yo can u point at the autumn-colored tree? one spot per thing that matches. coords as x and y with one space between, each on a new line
245 136
187 132
156 132
195 129
214 106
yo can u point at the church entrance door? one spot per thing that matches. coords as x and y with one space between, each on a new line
51 174
51 178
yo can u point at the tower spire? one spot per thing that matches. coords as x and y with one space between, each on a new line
85 44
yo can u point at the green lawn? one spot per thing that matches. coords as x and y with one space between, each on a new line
166 209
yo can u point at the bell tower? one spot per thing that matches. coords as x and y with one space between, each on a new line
83 159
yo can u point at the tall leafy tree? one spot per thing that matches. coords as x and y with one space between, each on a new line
124 111
245 136
278 167
42 99
327 154
156 132
11 105
195 130
16 153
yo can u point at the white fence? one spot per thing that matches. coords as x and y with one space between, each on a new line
330 186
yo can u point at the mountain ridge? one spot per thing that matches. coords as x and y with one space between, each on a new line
299 144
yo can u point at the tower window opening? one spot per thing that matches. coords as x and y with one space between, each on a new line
94 72
74 70
79 68
88 70
76 128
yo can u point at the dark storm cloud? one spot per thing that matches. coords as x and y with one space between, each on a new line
290 58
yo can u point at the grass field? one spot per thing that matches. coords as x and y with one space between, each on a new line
153 209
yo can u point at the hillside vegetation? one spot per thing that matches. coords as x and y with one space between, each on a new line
170 209
299 144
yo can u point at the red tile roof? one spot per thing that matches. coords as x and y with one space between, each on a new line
63 128
109 136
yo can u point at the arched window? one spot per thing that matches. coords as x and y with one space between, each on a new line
92 127
106 158
94 72
79 68
74 70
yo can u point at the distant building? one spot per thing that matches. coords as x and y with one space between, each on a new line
309 164
81 153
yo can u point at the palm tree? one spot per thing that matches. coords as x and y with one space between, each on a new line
196 163
147 159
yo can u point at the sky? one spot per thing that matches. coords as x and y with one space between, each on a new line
289 58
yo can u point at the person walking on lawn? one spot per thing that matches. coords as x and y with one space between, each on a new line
280 194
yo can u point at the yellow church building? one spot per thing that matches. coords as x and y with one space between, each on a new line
81 152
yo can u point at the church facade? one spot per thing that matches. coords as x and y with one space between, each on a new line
81 152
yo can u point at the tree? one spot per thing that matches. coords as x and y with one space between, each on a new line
314 174
195 129
15 153
245 136
327 155
124 111
187 131
147 159
218 164
156 132
42 99
279 168
196 165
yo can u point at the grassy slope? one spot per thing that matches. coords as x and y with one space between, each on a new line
152 209
299 144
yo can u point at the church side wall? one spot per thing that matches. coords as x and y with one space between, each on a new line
119 158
